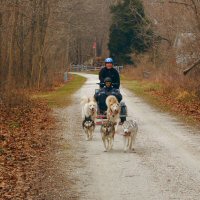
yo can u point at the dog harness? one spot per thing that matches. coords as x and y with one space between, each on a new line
113 113
88 119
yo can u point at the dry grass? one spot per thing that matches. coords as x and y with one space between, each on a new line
166 88
170 79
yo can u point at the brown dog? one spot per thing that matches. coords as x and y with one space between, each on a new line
113 111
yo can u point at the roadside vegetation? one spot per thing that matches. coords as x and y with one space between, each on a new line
61 95
27 136
179 96
164 67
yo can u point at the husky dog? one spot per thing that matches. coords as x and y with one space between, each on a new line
107 133
89 108
88 126
130 129
113 111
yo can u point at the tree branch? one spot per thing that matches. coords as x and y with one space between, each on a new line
191 67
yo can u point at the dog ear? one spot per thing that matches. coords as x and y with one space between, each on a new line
93 99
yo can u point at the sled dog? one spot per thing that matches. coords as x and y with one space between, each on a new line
113 111
88 126
89 108
130 129
107 133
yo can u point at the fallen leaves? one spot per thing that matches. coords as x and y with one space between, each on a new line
23 140
185 104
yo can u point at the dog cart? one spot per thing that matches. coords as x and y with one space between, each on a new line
101 115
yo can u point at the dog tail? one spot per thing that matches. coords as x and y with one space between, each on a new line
110 99
85 100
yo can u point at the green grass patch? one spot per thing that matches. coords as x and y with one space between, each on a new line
144 89
62 96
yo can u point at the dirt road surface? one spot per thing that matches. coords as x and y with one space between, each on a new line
165 165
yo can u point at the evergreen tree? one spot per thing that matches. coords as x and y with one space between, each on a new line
129 31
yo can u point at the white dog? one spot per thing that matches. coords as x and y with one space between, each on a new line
107 133
113 111
130 129
89 108
89 112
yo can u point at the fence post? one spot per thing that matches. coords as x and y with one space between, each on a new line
65 76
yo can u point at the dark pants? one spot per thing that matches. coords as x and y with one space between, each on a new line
102 102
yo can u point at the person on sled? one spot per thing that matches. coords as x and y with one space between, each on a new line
109 71
104 92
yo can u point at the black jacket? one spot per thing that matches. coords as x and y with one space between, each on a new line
112 73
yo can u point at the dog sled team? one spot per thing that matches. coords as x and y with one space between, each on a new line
106 105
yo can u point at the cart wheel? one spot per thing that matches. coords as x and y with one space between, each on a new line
123 119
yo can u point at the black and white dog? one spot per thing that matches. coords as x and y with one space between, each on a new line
88 126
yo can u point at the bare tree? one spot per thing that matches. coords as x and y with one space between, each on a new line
40 38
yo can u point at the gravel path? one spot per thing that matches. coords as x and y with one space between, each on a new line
166 164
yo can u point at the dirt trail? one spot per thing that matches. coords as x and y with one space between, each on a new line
166 164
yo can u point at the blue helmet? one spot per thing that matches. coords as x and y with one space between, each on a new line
108 60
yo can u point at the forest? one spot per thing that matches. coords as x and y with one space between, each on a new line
40 38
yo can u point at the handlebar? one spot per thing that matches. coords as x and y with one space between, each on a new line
103 84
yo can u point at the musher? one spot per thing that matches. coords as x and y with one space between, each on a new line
106 90
109 71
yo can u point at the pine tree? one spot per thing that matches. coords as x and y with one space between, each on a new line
129 31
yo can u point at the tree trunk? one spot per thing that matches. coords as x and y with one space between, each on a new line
14 18
43 24
1 23
22 71
1 69
32 42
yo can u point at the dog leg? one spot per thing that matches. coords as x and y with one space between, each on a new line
125 144
116 126
133 142
87 135
108 144
104 142
129 145
111 142
90 134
